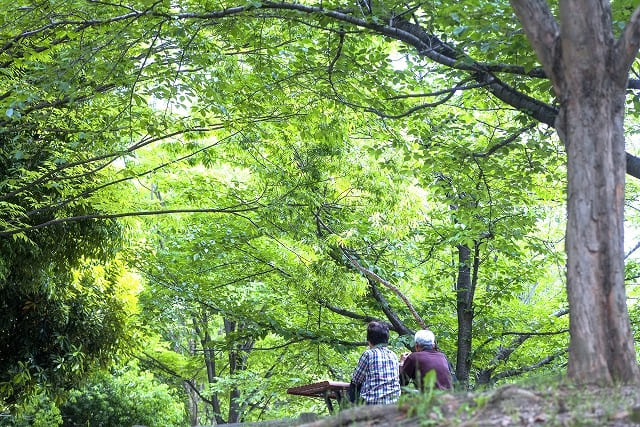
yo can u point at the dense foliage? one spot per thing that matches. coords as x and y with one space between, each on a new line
281 177
124 397
63 305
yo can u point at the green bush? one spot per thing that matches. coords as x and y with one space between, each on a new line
125 398
38 410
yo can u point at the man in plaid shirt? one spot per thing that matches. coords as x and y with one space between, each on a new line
377 372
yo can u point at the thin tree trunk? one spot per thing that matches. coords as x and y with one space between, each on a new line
210 364
464 305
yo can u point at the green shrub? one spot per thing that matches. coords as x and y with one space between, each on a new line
36 411
125 398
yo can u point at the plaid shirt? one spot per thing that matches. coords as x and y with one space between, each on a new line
378 374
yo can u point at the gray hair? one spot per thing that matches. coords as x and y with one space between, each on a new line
425 338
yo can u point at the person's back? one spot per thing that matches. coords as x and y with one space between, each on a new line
377 374
419 363
414 366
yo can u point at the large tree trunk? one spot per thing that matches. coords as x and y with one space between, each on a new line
601 347
588 69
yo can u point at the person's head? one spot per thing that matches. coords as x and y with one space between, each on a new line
424 339
377 333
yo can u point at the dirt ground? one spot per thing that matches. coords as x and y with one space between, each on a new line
554 405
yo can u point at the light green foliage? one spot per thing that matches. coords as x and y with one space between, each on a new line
39 410
127 396
292 132
260 270
424 406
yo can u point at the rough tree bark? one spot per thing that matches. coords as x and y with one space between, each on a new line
589 69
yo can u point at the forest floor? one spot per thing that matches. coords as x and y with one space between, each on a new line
555 404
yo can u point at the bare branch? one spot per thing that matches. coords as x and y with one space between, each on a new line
635 248
386 309
505 141
163 367
347 313
439 92
400 330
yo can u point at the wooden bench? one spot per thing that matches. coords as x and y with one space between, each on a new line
324 389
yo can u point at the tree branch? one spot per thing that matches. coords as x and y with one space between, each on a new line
505 141
398 325
386 309
229 209
522 370
542 31
627 45
158 364
110 157
92 190
545 31
346 313
373 276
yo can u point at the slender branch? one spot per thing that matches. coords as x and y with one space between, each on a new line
438 92
412 109
337 56
276 347
397 324
505 141
386 309
561 331
561 312
373 276
522 370
230 209
109 156
635 248
92 190
157 363
356 316
347 313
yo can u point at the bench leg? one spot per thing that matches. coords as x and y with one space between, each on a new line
327 400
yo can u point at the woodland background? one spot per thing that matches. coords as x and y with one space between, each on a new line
200 210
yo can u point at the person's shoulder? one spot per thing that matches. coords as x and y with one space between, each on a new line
414 355
365 354
391 352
